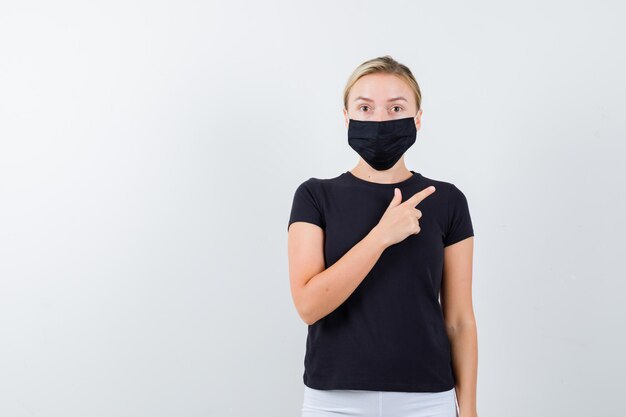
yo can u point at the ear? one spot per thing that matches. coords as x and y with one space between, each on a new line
346 117
418 119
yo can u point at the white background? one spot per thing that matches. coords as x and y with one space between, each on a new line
149 152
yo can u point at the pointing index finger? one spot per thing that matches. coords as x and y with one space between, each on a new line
418 197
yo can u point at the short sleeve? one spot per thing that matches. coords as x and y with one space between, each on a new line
305 207
459 225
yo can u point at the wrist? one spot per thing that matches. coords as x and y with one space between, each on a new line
378 238
467 412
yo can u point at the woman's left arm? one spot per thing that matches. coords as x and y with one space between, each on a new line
458 311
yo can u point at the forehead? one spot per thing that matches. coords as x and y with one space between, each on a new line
380 87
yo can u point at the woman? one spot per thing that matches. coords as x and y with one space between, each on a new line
371 251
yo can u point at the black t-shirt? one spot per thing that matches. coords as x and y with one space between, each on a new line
389 334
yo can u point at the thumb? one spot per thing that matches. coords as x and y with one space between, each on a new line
397 198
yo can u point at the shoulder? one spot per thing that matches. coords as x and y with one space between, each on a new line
309 187
309 201
316 184
449 188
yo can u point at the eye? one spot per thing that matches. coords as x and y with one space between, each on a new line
361 107
397 107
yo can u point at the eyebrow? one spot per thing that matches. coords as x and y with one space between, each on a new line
370 100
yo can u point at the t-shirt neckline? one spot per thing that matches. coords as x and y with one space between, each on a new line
411 179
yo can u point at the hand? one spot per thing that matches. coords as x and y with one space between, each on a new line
402 219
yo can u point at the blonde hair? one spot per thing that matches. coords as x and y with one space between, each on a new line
386 65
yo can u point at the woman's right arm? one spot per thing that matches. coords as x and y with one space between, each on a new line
317 291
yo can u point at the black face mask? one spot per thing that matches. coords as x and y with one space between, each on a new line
382 144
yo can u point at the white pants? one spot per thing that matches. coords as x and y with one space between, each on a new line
362 403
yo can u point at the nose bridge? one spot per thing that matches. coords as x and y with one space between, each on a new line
380 115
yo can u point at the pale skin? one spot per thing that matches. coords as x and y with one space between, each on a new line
317 291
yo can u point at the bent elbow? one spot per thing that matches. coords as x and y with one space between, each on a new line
305 307
307 316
